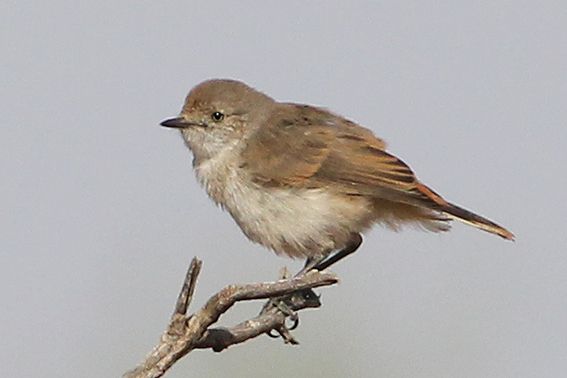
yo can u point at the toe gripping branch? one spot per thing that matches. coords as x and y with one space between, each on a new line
288 306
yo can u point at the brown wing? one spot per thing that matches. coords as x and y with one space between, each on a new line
306 147
288 149
303 146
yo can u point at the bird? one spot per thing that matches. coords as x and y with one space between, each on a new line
301 180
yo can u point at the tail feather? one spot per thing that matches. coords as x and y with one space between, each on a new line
436 202
475 220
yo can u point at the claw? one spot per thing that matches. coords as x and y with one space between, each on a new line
295 324
281 305
272 335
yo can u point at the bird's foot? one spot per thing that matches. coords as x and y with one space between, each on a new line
284 308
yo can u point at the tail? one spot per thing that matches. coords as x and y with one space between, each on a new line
477 221
463 215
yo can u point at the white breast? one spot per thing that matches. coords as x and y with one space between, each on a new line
294 222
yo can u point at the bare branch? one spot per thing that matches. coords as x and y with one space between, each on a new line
186 294
186 333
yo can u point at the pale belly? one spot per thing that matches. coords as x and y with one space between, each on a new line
296 222
300 222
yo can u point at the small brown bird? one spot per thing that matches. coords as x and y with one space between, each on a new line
301 180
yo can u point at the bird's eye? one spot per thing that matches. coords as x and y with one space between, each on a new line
217 116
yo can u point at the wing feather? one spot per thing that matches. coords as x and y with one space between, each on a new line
304 146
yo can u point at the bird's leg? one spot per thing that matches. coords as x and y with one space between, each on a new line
311 263
322 262
353 244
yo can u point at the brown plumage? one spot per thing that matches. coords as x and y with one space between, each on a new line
312 148
302 180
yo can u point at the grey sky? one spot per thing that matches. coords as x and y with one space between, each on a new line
101 213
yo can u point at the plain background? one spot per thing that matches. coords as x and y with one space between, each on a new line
101 213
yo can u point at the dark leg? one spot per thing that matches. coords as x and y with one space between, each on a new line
323 262
351 247
311 263
317 262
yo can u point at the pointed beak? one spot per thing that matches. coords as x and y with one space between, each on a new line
177 123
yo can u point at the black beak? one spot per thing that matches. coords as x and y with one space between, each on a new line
177 123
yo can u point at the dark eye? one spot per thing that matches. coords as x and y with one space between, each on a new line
217 116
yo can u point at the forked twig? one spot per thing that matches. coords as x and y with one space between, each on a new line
188 332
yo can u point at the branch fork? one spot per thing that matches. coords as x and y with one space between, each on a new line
185 332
